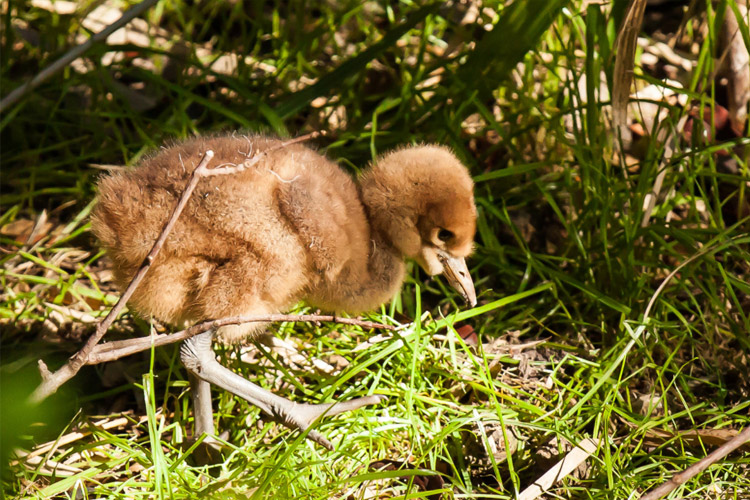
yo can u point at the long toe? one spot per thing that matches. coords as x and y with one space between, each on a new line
353 404
301 416
309 413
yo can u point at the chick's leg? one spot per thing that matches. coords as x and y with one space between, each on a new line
209 451
198 357
200 392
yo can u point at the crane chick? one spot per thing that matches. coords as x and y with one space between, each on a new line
292 227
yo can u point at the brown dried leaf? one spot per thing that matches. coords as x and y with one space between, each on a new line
695 437
626 43
19 229
468 335
27 231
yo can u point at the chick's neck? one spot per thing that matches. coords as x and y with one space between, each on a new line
385 268
363 284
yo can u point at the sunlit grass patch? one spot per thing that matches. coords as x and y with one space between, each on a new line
574 241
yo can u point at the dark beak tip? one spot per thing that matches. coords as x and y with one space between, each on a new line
459 278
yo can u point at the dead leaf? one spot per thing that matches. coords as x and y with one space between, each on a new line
19 229
626 43
27 231
468 335
695 437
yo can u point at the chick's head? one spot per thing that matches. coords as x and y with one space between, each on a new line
421 200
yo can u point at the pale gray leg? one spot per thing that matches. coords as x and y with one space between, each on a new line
209 451
198 357
203 412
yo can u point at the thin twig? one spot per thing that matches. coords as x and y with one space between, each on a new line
73 54
626 45
699 466
234 168
121 348
52 381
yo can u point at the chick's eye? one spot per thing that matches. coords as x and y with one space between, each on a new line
444 235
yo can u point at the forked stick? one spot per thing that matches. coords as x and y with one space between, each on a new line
51 381
121 348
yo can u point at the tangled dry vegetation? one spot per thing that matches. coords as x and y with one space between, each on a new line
612 262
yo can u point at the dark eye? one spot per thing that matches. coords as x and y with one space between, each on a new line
444 235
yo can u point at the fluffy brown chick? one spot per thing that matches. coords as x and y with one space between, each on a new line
293 227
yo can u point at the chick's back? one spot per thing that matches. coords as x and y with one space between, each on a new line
254 242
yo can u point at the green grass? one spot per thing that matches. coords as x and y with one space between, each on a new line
563 256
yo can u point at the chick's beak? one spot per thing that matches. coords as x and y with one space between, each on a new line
457 274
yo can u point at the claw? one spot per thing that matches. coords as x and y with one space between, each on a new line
301 416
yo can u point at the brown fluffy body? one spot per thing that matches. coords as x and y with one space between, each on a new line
293 227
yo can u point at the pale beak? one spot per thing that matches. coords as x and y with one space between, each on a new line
457 274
